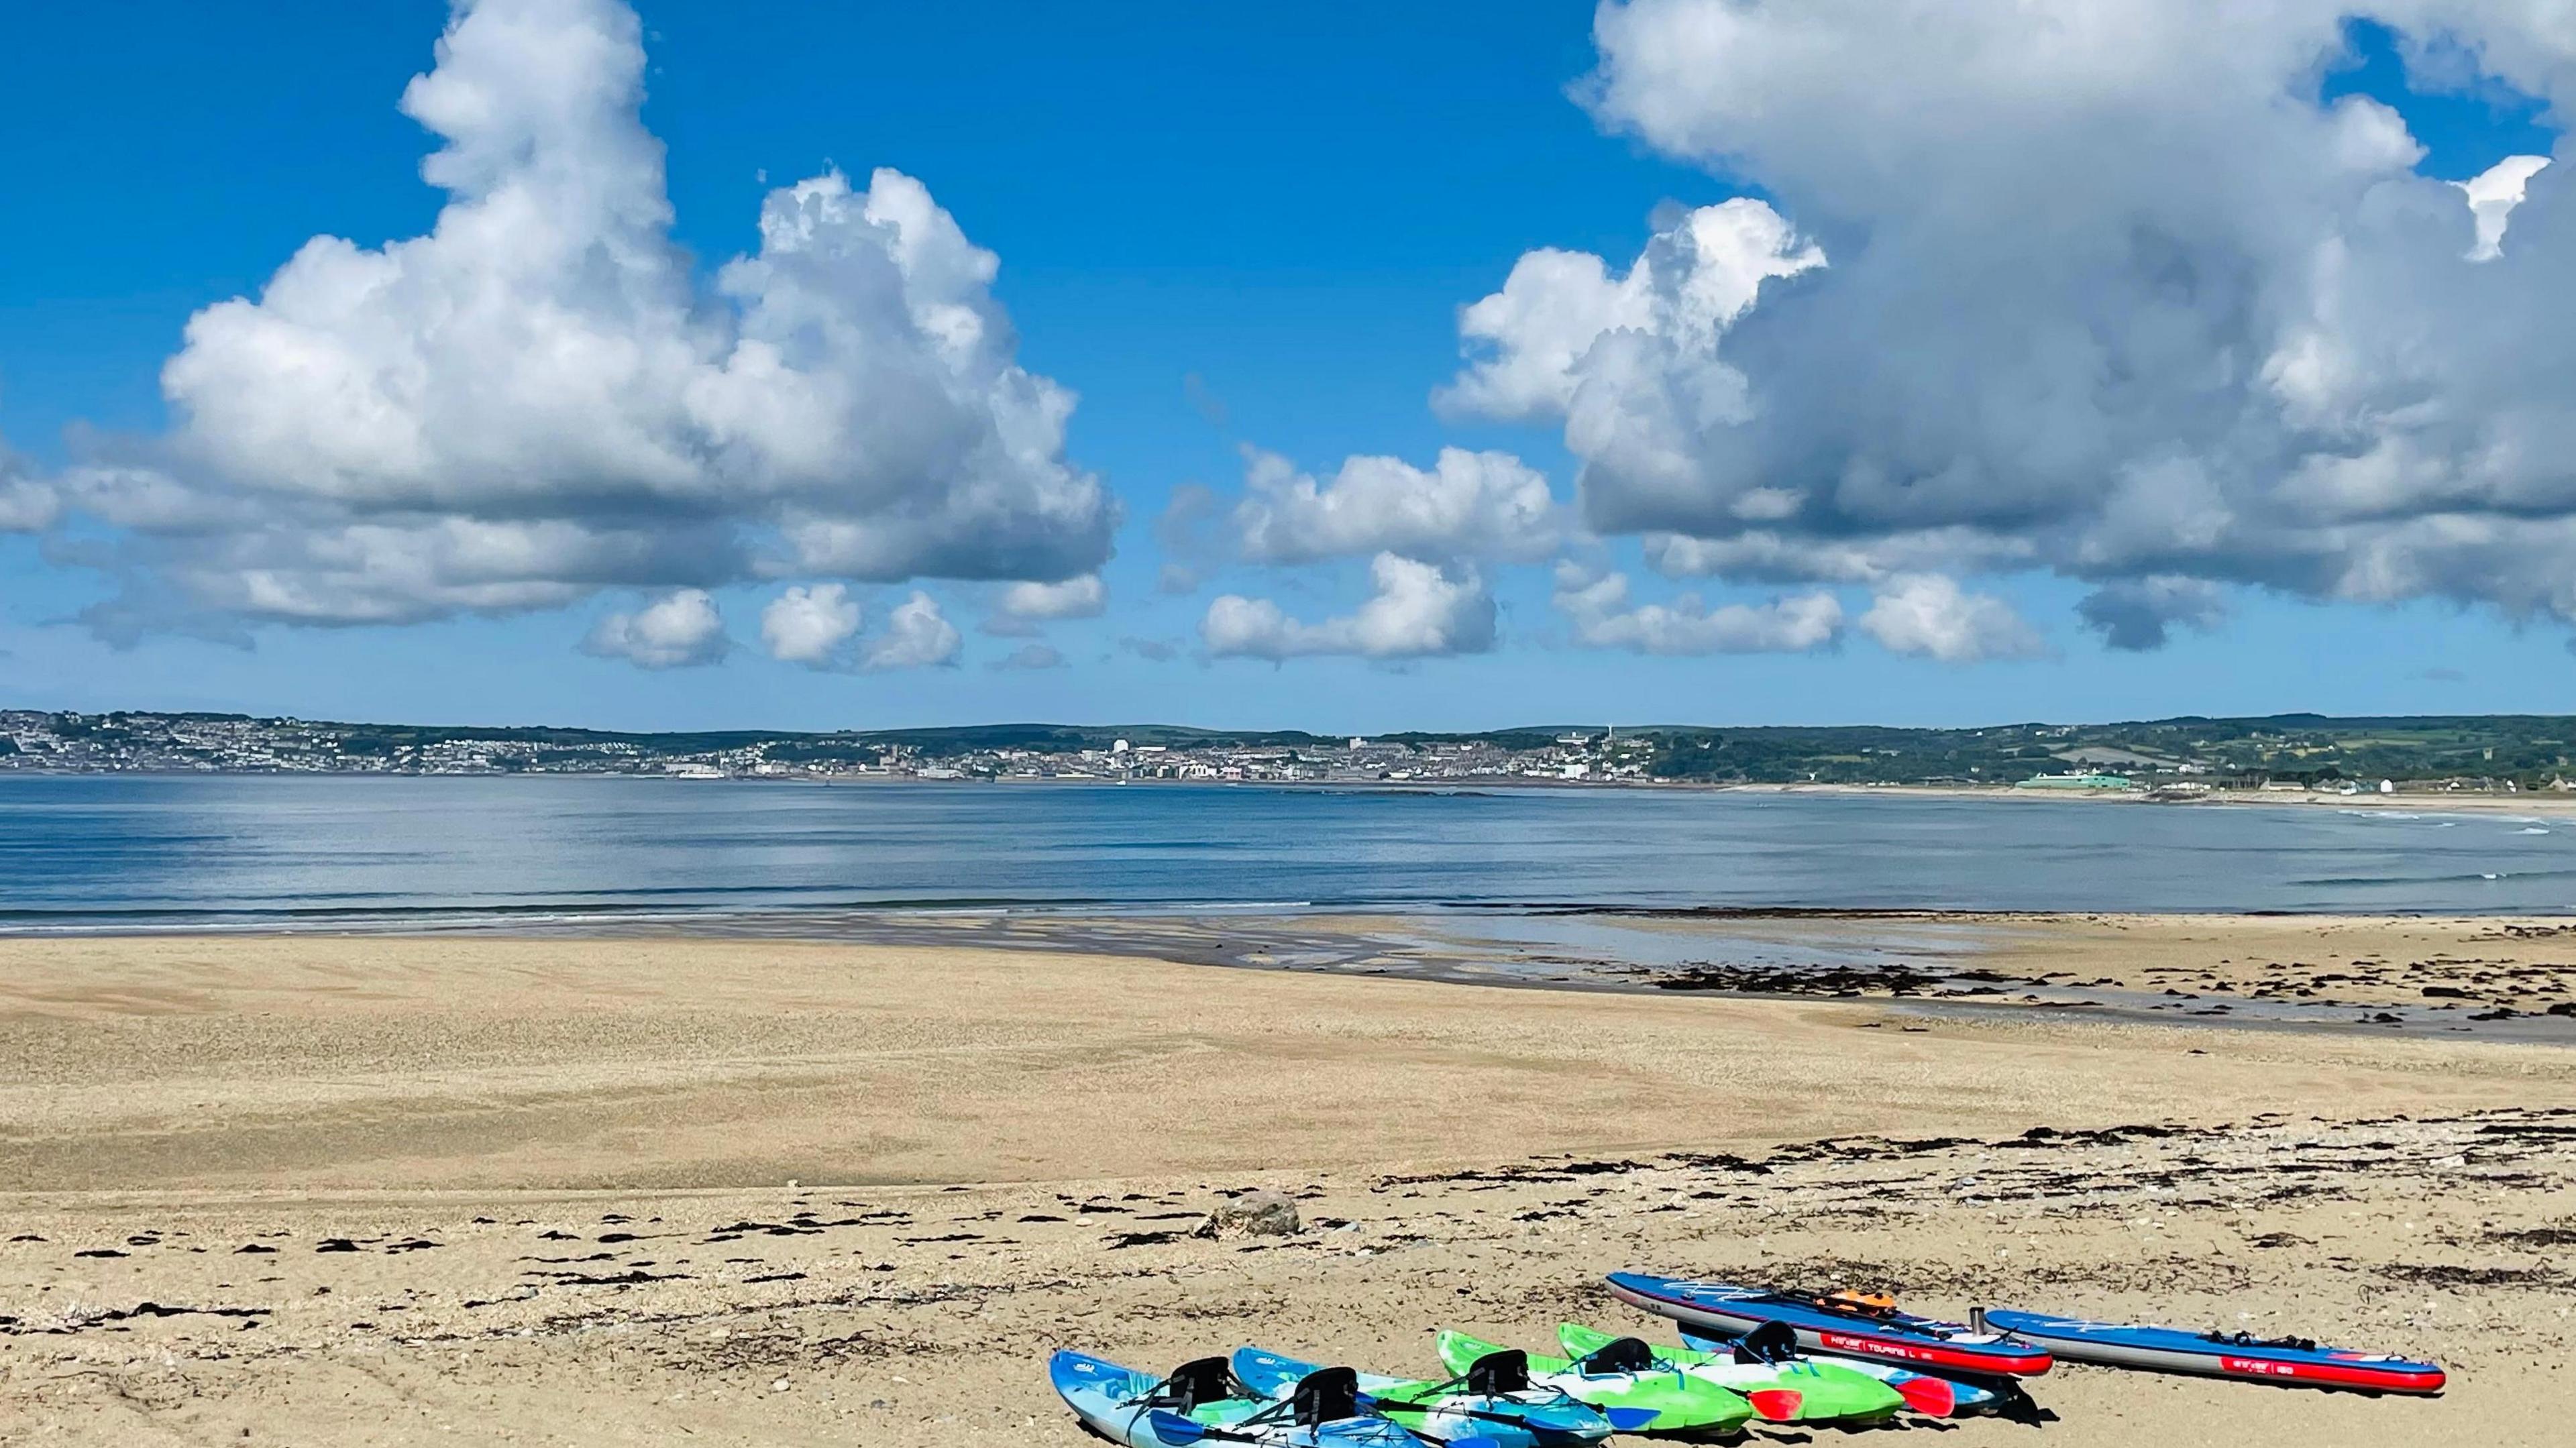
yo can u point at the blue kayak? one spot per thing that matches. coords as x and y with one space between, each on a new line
1145 1411
2295 1362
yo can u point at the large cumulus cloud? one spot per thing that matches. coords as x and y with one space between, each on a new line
2109 289
537 399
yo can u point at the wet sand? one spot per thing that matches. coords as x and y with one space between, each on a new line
2496 977
327 1190
2481 977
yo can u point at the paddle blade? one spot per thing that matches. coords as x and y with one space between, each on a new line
1629 1420
1929 1396
1776 1405
1172 1428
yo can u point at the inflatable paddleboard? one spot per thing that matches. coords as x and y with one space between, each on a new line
2291 1361
1879 1334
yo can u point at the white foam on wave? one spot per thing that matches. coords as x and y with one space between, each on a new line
2531 830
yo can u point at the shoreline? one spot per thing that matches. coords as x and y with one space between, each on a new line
2434 802
817 919
2505 977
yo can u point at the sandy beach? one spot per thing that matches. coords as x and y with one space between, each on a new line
330 1189
2415 797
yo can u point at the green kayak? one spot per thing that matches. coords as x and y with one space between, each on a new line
1787 1389
1680 1403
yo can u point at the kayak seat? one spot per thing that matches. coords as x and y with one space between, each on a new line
1620 1355
1497 1373
1194 1384
1772 1342
1324 1395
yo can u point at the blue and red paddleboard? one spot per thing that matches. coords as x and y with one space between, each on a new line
1881 1335
2289 1361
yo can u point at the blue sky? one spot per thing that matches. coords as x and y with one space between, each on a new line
1219 227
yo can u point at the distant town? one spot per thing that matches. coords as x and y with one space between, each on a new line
2170 759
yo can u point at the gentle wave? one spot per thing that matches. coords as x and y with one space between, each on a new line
2371 881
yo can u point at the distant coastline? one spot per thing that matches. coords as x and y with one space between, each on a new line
2552 803
2298 757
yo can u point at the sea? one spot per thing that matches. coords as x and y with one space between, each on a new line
130 852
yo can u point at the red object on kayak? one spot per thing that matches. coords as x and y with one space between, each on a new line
1777 1405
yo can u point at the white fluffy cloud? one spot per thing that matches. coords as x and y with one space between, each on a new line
810 626
1082 597
916 636
1931 615
1417 610
538 399
1467 504
1598 608
1696 277
2104 289
678 630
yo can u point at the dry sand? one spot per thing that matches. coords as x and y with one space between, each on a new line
394 1190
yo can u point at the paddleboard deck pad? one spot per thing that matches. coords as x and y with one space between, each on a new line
2289 1361
1728 1310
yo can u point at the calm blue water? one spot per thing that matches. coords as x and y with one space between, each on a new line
84 852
